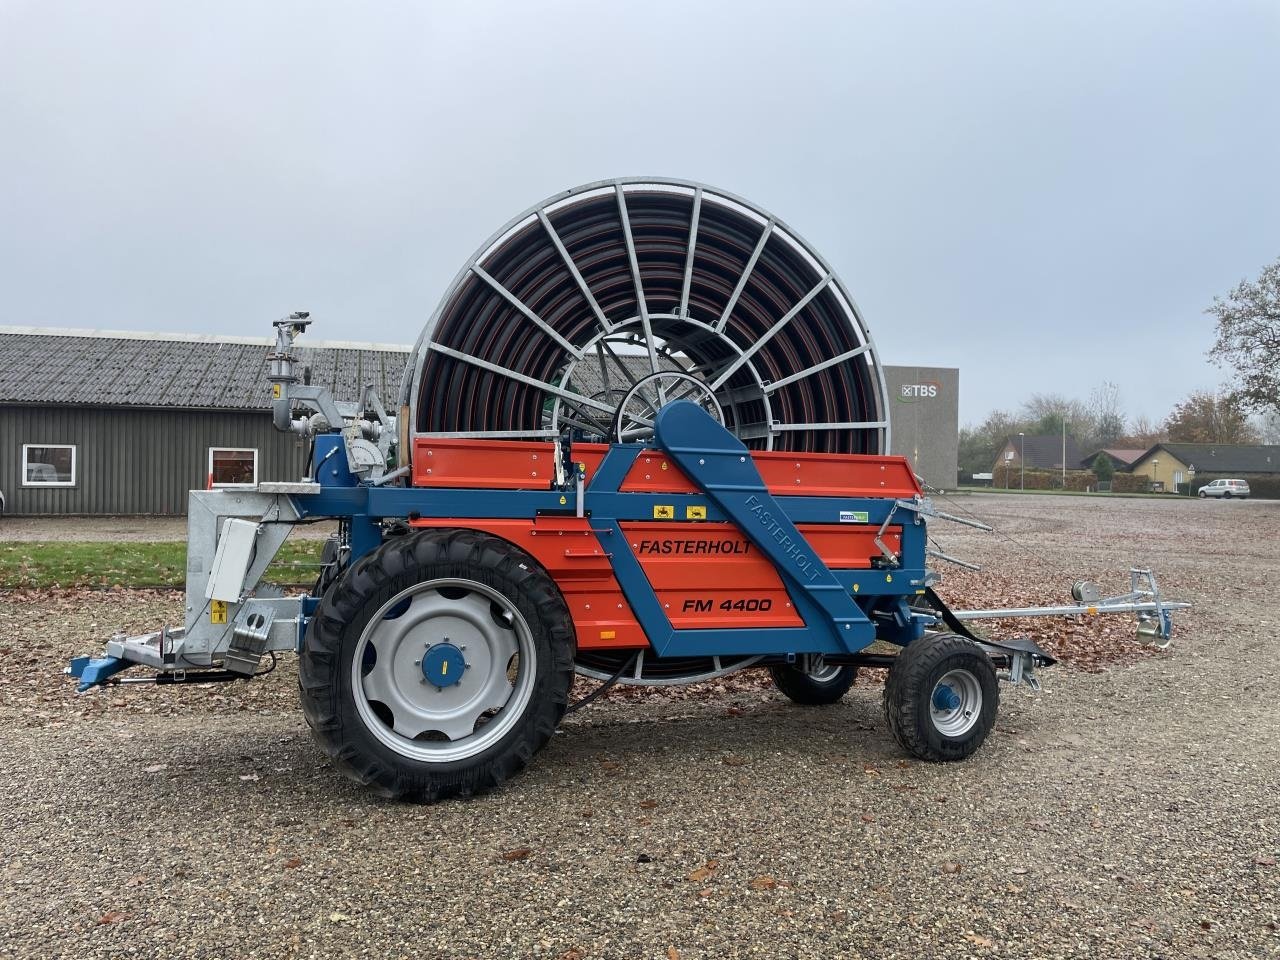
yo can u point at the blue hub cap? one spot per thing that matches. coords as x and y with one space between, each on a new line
443 665
945 698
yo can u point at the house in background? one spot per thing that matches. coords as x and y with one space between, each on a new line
1172 464
1122 459
1038 453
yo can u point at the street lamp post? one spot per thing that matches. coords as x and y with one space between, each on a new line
1155 472
1022 458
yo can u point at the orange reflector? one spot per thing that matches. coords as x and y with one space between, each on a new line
608 634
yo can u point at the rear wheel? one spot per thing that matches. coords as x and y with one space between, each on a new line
1226 495
812 689
437 665
941 697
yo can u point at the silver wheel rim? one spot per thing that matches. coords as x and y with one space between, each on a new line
825 674
415 717
962 707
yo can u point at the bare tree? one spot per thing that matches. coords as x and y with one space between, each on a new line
1108 414
1267 426
1144 433
1045 413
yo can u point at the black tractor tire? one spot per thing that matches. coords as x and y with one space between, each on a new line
808 691
325 668
909 697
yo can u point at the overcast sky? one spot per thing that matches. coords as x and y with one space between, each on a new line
1043 195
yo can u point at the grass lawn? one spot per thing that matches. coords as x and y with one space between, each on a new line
36 564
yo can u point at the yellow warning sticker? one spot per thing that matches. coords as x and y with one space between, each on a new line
218 611
695 513
664 511
275 391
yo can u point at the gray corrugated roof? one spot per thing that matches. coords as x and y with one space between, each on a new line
1224 457
159 370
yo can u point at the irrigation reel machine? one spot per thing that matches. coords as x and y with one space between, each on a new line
642 438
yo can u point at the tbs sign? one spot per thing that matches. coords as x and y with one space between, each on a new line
913 392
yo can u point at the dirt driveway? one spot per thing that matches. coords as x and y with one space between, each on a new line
1127 813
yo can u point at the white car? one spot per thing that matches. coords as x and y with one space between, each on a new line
1226 489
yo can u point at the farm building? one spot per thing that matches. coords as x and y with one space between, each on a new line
109 423
121 423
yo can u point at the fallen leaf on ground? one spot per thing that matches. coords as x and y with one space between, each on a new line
704 871
978 941
951 867
1265 861
114 916
249 776
520 853
763 882
673 953
338 918
648 804
293 863
155 768
733 760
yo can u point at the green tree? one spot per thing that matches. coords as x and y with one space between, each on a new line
1210 418
1103 468
1249 338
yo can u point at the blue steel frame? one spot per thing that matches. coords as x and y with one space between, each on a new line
843 610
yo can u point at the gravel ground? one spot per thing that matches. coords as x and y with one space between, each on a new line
1126 811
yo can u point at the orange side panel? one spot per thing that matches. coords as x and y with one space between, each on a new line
845 546
710 575
530 465
571 554
494 464
790 474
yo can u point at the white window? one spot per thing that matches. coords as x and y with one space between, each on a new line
1177 477
232 468
48 465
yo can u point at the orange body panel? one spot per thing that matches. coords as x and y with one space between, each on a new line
494 465
530 465
567 547
700 570
789 474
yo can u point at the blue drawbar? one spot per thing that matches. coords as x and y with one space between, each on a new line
91 671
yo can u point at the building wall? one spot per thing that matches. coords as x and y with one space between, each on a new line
1165 472
134 461
924 419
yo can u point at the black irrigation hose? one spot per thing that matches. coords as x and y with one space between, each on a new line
479 322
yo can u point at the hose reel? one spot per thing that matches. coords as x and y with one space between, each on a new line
582 313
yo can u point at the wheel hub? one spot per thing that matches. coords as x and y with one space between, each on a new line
443 665
945 698
956 703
